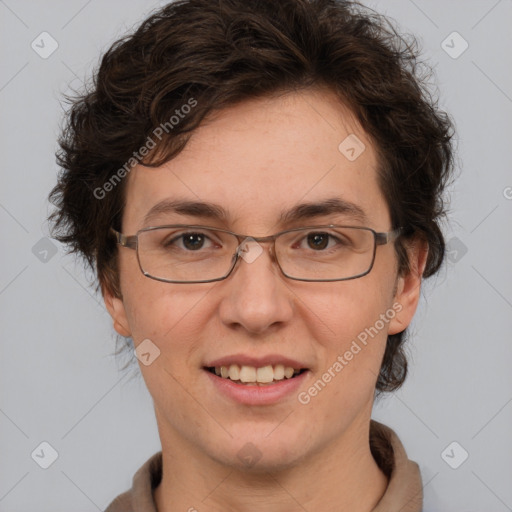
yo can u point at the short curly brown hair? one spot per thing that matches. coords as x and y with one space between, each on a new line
219 53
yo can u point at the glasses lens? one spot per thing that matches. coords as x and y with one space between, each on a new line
326 253
190 254
186 253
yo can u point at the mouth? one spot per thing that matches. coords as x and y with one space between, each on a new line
255 376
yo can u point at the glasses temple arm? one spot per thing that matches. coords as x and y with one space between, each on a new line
125 241
390 236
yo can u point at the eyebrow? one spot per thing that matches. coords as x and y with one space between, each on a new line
300 212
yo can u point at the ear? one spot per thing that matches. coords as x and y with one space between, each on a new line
115 307
408 287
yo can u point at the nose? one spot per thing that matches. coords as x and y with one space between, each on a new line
255 294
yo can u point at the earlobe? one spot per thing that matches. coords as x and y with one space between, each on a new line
408 288
117 311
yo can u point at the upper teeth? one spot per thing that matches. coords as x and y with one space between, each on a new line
263 375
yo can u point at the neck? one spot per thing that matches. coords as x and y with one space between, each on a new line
343 476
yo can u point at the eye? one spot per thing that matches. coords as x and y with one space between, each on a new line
191 241
320 240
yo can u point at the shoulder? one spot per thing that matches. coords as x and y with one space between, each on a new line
140 497
123 503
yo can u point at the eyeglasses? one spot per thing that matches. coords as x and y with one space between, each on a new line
182 253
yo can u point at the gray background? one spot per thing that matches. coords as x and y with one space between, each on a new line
60 382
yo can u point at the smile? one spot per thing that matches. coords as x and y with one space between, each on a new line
251 375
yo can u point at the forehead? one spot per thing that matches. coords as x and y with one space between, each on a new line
261 163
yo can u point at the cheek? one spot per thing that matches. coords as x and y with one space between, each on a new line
349 327
165 312
152 307
341 311
347 333
173 317
175 322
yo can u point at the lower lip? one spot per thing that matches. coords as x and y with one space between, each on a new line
257 395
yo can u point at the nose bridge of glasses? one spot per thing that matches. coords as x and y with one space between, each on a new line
243 247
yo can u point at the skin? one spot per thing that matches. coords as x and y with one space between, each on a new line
315 456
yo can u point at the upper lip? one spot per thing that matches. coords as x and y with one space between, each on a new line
257 362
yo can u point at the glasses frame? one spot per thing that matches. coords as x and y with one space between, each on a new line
131 242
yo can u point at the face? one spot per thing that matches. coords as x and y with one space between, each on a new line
256 160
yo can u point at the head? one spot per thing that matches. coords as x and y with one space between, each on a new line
247 106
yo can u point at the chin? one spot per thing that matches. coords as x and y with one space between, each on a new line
262 450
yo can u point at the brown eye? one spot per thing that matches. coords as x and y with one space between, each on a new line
189 241
318 240
193 241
